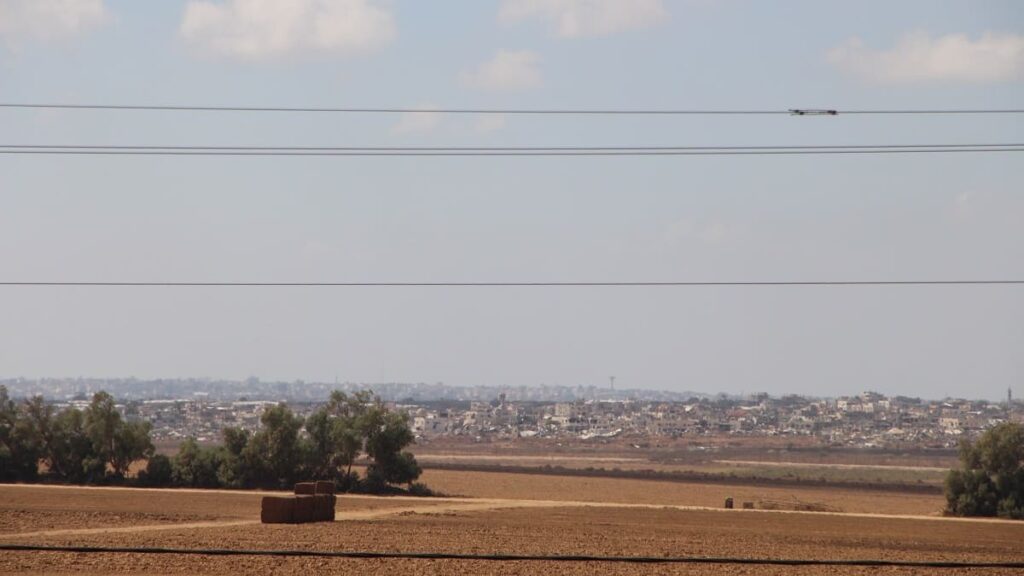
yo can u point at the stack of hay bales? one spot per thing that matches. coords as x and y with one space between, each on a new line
325 501
278 510
312 502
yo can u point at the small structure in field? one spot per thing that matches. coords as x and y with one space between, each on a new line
312 502
728 503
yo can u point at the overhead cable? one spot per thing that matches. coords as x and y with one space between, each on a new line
520 111
521 284
174 150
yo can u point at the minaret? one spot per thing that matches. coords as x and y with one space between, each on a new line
1009 396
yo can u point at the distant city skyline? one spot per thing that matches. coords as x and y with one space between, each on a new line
161 388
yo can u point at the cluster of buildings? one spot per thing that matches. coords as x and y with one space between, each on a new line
484 413
868 420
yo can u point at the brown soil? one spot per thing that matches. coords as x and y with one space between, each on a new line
577 525
525 486
27 508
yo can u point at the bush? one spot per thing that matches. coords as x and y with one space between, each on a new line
158 472
197 467
348 482
420 489
991 482
374 482
970 493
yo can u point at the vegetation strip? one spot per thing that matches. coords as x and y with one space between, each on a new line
510 557
682 476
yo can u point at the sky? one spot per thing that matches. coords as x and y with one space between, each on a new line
756 218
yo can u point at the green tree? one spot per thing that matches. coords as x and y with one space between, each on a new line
387 435
102 421
991 481
337 434
20 446
40 418
116 443
275 452
131 443
73 450
236 471
322 445
65 445
159 471
196 466
353 424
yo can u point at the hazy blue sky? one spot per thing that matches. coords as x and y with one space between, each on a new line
517 219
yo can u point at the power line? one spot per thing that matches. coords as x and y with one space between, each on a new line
512 557
142 150
521 111
494 148
450 284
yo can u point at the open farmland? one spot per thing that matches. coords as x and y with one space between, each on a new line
729 461
598 490
512 514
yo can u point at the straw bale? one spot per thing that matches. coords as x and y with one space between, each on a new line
305 509
305 488
277 510
325 507
324 487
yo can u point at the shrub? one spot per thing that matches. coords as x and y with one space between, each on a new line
158 472
991 481
196 466
420 489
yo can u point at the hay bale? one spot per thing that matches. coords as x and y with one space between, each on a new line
305 488
728 503
324 487
305 509
277 510
324 508
748 505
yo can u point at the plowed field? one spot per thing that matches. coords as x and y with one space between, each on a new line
560 519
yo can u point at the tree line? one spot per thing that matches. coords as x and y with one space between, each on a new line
97 445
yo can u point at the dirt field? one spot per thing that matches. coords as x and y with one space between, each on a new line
790 461
513 514
499 485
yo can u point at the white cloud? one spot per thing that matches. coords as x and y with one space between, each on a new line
48 20
418 122
580 18
917 57
489 122
261 29
507 71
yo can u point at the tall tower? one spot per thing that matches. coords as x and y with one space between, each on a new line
611 379
1009 396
